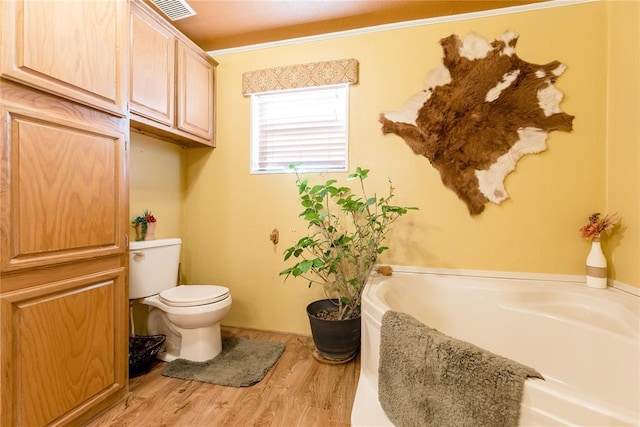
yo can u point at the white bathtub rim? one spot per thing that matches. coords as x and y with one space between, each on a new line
623 287
576 279
558 282
576 397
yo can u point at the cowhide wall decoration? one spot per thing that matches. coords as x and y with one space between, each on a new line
482 109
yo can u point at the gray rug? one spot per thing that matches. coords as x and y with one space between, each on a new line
427 378
242 363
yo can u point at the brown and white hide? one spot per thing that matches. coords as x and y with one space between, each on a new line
481 110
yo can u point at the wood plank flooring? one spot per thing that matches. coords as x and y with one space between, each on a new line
298 391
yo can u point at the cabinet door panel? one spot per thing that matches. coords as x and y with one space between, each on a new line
65 189
195 93
68 175
73 48
62 348
152 69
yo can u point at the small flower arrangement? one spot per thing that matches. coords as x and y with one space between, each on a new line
597 225
141 224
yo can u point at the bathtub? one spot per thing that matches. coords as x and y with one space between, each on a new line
584 341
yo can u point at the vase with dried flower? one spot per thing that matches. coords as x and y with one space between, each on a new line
145 226
596 261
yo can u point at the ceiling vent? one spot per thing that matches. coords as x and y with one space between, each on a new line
174 9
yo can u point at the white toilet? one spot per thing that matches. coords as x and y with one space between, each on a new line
188 315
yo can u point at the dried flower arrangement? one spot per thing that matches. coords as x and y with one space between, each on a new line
597 225
141 224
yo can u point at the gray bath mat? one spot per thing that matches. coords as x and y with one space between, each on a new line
427 378
242 363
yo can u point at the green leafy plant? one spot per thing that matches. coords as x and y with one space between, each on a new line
345 236
142 222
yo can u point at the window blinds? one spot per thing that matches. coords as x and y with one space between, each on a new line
307 127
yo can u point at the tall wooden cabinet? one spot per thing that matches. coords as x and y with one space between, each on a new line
72 75
63 209
172 82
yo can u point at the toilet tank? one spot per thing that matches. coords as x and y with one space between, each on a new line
153 266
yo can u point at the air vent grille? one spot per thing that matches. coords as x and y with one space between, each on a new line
174 9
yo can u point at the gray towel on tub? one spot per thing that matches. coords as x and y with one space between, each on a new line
427 378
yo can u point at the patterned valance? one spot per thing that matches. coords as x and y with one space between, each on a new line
301 75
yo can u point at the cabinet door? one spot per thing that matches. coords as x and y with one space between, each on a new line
63 349
73 48
64 190
195 93
152 90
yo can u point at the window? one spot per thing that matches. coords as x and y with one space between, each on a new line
306 126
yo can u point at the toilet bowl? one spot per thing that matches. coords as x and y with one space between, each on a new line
193 331
189 315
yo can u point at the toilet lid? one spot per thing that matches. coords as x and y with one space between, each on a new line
192 295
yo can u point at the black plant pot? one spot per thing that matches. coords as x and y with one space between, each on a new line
335 340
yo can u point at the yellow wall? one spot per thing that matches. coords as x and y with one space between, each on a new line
623 138
229 213
156 182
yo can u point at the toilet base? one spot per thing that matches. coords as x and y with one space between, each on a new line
201 344
165 357
197 345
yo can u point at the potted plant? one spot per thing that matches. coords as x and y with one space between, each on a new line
346 233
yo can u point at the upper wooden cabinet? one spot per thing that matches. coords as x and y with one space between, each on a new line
195 93
71 48
153 50
172 82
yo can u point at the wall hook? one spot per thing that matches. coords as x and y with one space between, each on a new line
275 236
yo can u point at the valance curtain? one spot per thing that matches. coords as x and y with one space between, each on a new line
300 76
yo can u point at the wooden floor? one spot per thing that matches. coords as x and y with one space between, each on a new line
298 391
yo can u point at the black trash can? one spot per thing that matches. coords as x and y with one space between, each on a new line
142 350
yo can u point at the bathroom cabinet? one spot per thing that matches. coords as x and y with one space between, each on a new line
64 135
71 49
172 82
63 223
64 205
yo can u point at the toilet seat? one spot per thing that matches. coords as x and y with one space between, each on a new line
193 295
